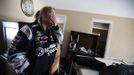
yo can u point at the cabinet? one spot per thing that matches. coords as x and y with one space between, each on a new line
83 43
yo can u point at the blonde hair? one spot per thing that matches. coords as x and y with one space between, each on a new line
44 13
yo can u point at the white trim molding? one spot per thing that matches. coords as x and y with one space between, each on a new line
109 33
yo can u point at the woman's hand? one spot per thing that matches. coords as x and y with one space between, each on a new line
52 18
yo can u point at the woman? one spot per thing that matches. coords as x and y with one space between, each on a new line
35 49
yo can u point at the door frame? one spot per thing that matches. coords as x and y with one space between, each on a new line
109 33
6 25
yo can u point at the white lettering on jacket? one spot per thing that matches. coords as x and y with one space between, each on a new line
40 51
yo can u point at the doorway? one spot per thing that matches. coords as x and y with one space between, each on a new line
102 28
10 29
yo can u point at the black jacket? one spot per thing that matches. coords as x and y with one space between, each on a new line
33 50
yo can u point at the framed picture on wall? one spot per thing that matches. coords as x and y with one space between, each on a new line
61 21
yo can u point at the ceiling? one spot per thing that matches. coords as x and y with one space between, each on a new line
122 8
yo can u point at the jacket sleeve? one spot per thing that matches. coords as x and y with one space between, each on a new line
58 32
19 47
21 41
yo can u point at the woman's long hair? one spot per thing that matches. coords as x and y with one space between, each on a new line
44 13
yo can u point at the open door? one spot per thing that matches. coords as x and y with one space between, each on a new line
10 29
103 28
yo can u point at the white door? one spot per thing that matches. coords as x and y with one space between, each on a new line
10 29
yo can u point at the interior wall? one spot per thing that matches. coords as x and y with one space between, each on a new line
10 10
121 40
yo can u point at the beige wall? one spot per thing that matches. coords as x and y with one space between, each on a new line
10 10
121 43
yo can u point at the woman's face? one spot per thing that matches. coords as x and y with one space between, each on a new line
50 18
